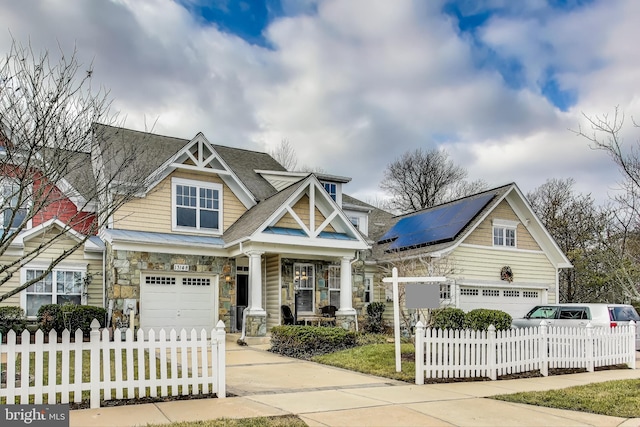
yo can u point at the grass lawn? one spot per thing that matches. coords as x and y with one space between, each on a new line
284 421
374 359
615 398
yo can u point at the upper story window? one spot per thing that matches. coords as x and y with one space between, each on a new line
197 206
332 189
9 200
504 233
355 221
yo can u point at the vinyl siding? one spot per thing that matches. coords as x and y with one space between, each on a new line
94 296
153 212
272 305
485 264
483 234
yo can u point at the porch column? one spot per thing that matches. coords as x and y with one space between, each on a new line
256 316
255 284
346 289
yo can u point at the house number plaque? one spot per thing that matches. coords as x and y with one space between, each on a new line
180 267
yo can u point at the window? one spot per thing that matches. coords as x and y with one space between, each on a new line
331 189
543 312
334 286
304 280
368 288
57 287
197 205
504 233
490 293
511 294
468 292
355 221
445 291
9 195
530 294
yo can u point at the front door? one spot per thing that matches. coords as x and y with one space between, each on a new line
242 297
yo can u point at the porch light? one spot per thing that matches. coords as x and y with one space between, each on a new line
227 278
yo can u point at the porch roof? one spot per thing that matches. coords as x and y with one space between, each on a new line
148 237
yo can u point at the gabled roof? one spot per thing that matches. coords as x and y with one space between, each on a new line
159 155
259 224
459 218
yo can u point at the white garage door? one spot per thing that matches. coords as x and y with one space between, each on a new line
515 301
177 302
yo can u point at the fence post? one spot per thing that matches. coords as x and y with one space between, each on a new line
491 353
632 345
94 364
220 338
589 348
543 346
419 353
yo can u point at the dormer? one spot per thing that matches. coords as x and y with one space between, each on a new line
282 179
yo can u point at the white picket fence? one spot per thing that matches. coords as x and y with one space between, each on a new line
468 354
147 366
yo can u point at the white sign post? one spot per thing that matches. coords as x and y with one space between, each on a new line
394 279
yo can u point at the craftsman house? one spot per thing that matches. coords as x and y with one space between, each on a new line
217 232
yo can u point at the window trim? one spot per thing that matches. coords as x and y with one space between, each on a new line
503 225
54 289
25 205
334 195
198 185
333 276
309 281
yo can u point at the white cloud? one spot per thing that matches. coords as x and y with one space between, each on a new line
358 83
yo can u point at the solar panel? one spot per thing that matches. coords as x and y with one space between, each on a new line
435 225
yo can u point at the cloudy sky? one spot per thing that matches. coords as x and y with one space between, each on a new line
353 84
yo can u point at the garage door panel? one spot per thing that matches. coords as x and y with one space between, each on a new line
177 302
516 302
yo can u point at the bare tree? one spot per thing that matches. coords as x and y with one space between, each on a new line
580 229
285 154
622 256
51 159
421 179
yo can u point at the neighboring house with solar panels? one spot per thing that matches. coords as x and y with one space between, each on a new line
491 246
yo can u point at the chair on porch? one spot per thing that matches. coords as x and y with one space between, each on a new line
287 315
329 311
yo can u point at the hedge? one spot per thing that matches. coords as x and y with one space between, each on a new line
12 318
447 318
71 317
480 319
304 342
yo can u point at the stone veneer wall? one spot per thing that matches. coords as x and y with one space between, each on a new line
124 270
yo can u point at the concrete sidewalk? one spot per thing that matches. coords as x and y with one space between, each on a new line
265 384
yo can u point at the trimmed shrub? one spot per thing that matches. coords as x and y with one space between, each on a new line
80 317
480 319
50 317
71 317
374 322
447 318
304 342
12 318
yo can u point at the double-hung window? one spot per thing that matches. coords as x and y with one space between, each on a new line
56 287
304 280
334 286
332 189
504 233
197 205
12 211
